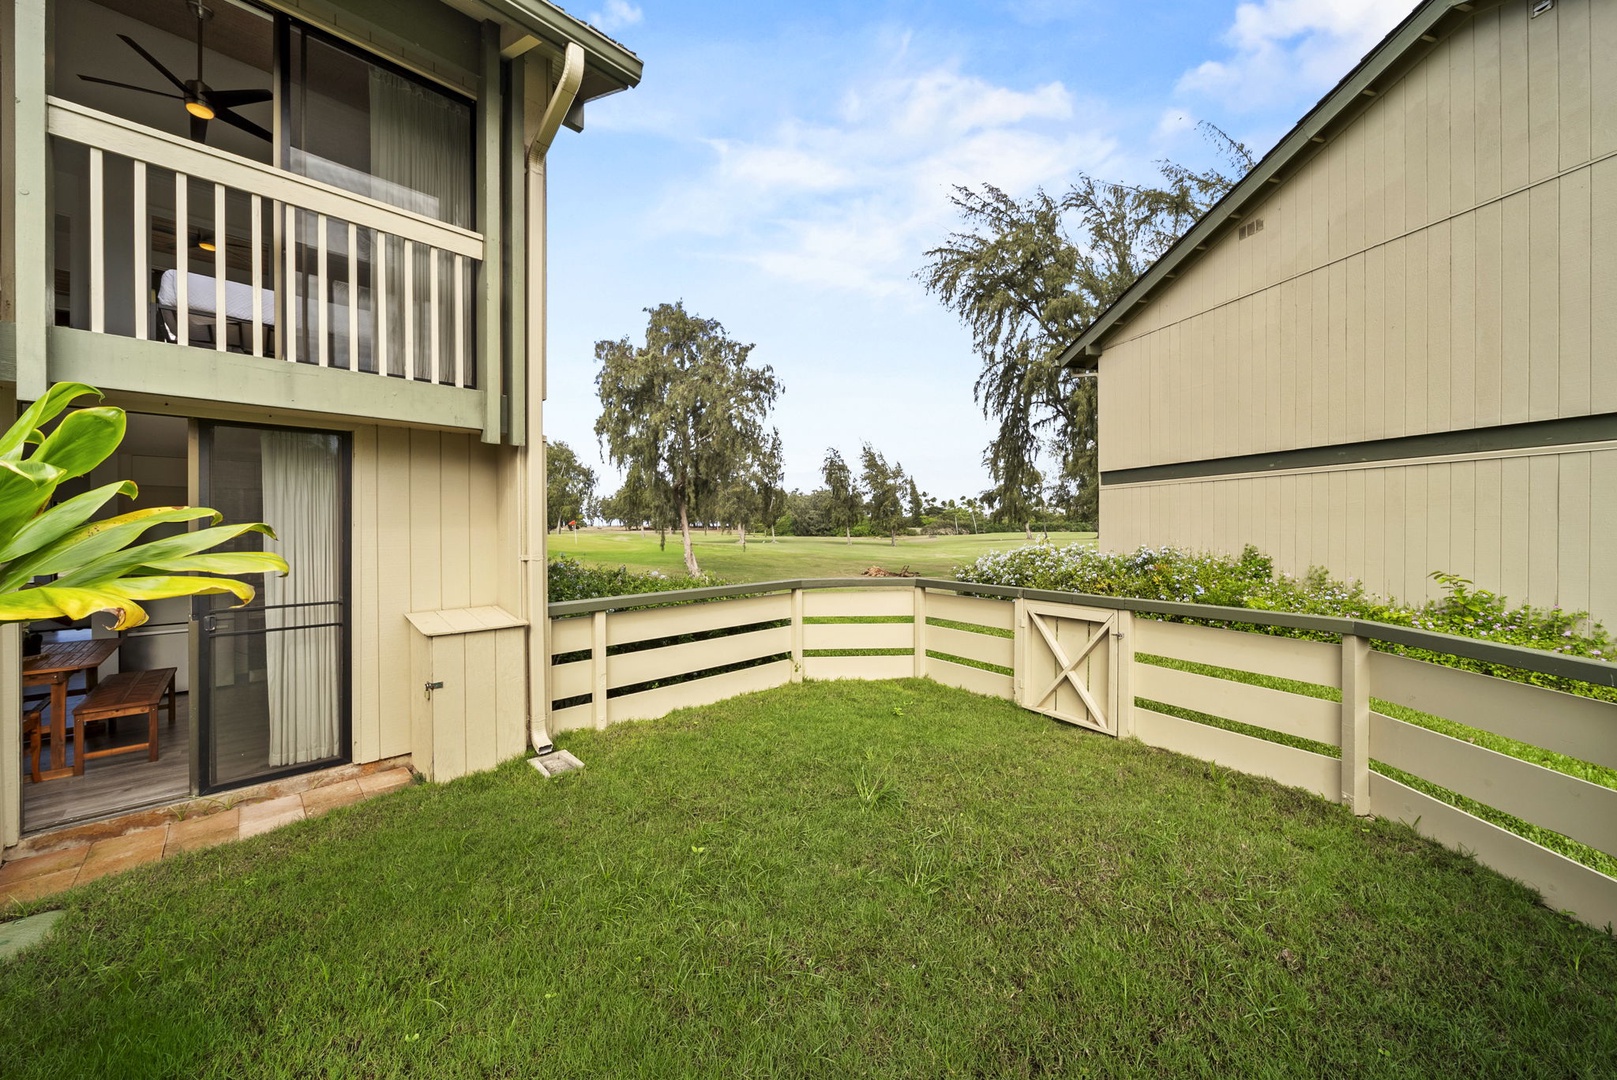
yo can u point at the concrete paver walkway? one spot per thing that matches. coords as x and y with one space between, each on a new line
51 872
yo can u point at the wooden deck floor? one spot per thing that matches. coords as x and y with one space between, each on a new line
116 784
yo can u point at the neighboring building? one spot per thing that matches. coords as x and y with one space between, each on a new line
351 348
1392 349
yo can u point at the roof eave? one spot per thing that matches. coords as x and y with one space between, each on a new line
555 26
1086 348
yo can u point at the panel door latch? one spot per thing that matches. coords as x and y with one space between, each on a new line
434 686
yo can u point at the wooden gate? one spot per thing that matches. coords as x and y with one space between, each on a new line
1067 663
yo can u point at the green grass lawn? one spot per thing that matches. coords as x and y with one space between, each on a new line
788 556
832 879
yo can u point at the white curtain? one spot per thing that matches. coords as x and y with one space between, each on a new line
302 501
421 158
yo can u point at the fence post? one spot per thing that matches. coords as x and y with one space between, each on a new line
920 632
1356 723
797 635
598 669
1123 644
1019 652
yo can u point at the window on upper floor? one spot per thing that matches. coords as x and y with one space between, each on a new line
206 71
363 126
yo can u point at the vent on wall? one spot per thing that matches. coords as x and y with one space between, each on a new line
1253 226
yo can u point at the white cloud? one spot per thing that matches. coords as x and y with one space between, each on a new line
1283 46
617 15
852 201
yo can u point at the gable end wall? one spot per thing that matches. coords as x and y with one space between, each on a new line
1432 269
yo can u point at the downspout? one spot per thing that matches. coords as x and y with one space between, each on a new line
535 526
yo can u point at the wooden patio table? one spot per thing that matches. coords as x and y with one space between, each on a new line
53 667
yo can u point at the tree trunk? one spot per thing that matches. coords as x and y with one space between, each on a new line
1027 531
893 538
850 536
685 532
743 535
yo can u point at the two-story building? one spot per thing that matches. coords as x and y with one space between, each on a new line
1390 350
302 243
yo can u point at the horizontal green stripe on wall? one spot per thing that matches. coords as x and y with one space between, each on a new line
1568 431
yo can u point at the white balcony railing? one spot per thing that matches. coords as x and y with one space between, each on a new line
300 270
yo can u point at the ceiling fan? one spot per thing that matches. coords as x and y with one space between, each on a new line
202 101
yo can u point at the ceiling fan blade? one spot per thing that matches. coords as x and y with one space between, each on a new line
231 98
154 62
199 129
132 86
236 120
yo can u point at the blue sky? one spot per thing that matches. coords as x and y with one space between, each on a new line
783 166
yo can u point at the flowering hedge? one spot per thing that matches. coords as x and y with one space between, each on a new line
1249 581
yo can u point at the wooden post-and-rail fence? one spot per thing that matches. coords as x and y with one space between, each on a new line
1313 714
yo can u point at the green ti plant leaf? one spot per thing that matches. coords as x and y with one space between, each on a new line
57 562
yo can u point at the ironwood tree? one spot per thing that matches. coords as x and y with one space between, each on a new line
847 503
569 485
683 415
756 493
1026 276
884 490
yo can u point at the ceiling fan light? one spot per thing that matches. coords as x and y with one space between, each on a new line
206 244
199 109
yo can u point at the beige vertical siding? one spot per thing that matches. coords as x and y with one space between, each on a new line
8 205
1431 268
1445 262
431 531
1536 526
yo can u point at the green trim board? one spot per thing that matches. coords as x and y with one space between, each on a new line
1421 30
31 238
514 195
8 352
168 371
490 207
1566 431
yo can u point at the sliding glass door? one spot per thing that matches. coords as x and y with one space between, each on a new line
273 676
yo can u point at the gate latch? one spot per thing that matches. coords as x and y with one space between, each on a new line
434 686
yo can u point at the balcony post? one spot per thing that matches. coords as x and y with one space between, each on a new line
31 235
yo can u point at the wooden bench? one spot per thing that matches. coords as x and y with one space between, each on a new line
128 693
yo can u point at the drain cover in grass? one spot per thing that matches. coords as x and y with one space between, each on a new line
18 935
555 763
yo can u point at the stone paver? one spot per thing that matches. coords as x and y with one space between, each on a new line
272 814
376 783
121 853
19 935
201 832
318 800
51 872
32 888
39 865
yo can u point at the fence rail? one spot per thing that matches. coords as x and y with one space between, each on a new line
299 269
634 657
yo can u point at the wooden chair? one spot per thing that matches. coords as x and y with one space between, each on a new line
33 730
